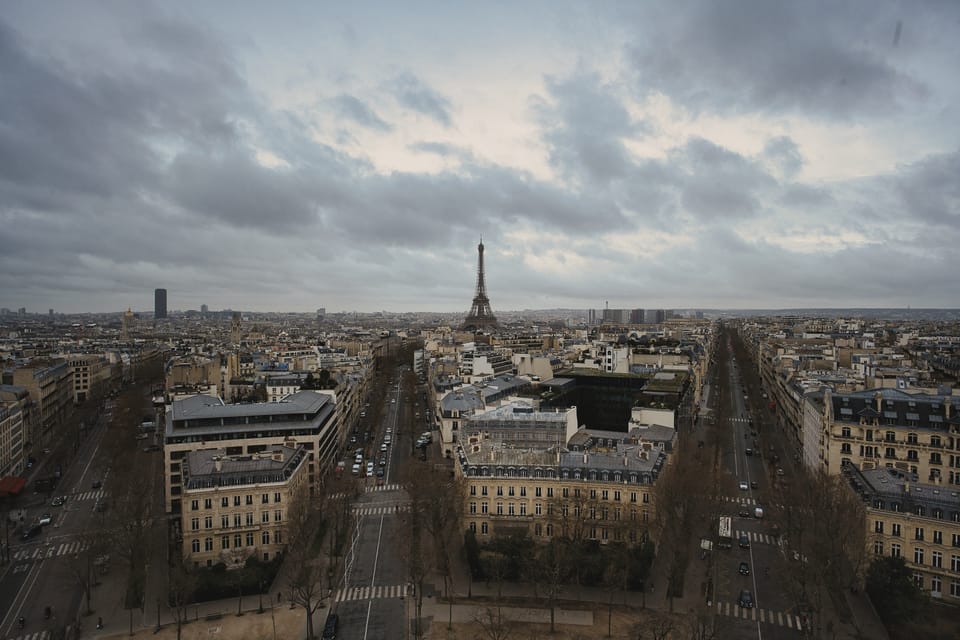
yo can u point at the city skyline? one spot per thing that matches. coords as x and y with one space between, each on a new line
688 155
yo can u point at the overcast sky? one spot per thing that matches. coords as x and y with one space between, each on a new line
290 156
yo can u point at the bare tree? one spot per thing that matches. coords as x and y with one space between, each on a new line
494 624
181 584
304 568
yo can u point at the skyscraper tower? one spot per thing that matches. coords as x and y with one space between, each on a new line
480 316
159 303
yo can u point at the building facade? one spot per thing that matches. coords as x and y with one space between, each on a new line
603 493
159 303
199 423
236 507
916 521
11 439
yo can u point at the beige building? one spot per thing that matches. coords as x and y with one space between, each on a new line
91 375
11 439
236 506
199 423
919 522
50 385
603 490
877 428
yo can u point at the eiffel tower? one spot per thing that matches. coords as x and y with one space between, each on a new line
480 316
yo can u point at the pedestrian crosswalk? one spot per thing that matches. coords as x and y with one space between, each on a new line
780 618
386 487
761 538
37 635
50 551
741 420
740 500
87 495
370 593
381 510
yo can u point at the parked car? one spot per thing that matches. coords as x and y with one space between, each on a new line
45 519
369 467
745 600
383 448
330 627
744 541
744 569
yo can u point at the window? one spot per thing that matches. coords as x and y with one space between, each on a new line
894 550
208 522
605 495
549 529
510 509
646 498
538 529
265 537
224 501
483 507
845 432
936 560
955 588
278 516
890 453
878 526
918 580
955 540
538 492
917 555
237 540
918 533
250 539
278 537
549 492
878 547
510 491
483 490
523 508
473 507
194 506
195 546
565 492
208 544
276 497
955 563
938 537
593 494
895 529
936 585
499 490
236 501
224 522
194 524
633 496
207 503
473 492
499 508
616 496
224 542
265 517
523 492
236 521
483 528
538 509
264 498
249 498
473 527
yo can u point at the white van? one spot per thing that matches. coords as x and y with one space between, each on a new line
758 513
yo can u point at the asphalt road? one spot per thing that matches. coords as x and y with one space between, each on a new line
774 613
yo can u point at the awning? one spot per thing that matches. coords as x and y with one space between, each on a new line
11 486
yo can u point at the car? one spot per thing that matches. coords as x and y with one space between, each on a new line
383 447
754 484
743 485
744 513
383 461
330 627
151 447
387 439
45 519
779 471
353 439
369 467
421 443
749 452
97 484
389 431
380 473
58 501
355 469
31 531
744 541
380 481
745 600
744 569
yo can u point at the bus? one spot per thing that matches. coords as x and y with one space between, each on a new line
725 533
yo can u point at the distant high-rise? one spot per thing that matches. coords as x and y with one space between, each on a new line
480 316
204 309
159 303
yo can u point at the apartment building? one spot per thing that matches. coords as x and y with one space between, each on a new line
602 492
50 385
520 423
235 506
919 522
199 423
11 439
876 428
91 374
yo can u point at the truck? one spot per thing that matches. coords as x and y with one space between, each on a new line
725 533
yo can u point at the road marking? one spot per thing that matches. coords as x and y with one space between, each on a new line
377 592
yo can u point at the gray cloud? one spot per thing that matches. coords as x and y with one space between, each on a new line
413 94
753 55
347 106
784 155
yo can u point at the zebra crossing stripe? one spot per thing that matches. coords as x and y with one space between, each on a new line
734 610
370 592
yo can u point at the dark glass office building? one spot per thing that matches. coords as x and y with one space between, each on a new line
159 303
